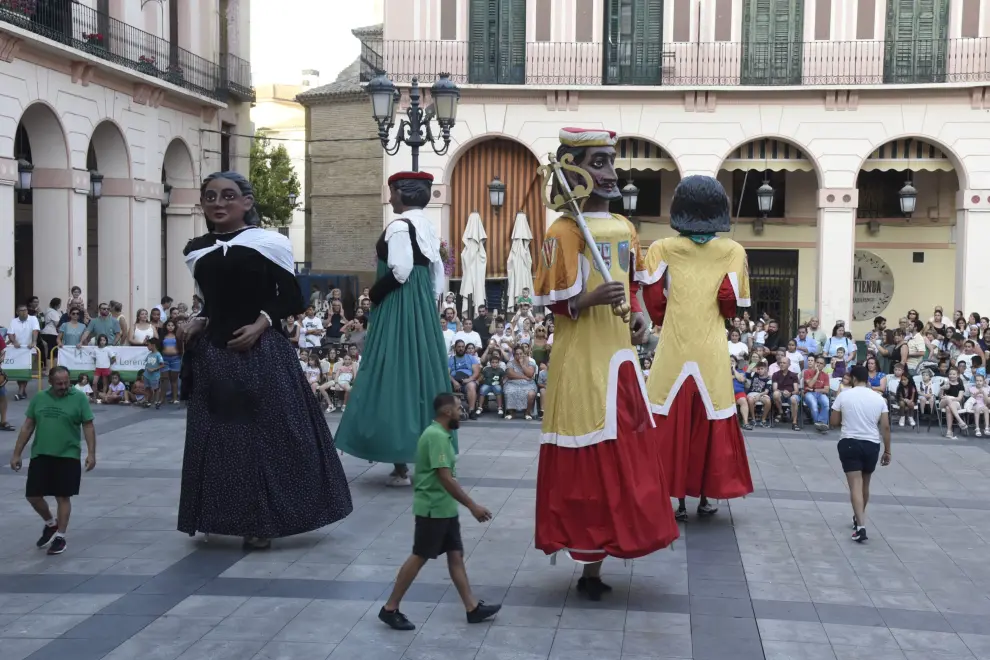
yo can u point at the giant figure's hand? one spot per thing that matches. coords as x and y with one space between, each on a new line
637 327
607 293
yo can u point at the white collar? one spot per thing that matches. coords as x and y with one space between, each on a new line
270 244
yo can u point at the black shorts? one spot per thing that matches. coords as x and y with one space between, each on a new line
858 455
53 476
437 536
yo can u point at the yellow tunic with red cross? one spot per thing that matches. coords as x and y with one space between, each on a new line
692 341
589 347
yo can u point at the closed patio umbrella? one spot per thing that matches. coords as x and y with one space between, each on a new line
520 263
474 262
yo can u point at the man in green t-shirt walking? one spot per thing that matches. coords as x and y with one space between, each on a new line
56 417
438 531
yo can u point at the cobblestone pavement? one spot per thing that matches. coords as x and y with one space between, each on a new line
772 576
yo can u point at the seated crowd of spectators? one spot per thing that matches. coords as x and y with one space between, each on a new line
933 368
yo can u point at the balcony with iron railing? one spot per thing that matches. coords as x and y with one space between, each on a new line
685 64
84 29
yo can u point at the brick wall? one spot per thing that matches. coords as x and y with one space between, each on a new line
344 184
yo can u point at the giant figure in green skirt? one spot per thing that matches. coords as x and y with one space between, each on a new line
404 365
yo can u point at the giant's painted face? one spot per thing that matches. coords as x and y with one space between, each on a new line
599 162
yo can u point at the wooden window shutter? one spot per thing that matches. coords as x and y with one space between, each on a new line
512 41
482 41
773 33
916 45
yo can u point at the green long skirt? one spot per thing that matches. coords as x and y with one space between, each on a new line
404 366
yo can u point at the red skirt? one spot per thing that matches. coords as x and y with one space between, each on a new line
701 456
609 498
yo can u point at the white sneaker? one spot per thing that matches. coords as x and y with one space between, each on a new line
911 421
395 481
901 423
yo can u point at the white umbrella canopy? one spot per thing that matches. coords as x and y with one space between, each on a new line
474 261
520 263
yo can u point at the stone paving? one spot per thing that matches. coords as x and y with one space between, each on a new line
772 576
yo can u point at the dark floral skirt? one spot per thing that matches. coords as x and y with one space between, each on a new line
259 457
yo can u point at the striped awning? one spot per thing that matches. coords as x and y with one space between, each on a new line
908 154
768 154
634 154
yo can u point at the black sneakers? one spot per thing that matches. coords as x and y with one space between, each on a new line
859 535
482 612
46 536
593 588
58 546
681 514
396 620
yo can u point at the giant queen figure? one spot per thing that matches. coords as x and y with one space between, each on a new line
693 282
600 488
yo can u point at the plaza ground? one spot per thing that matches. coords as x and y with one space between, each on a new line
772 576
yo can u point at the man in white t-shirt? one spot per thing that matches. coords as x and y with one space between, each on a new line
864 418
468 335
310 330
23 333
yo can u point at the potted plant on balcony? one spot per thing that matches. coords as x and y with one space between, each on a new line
146 65
95 44
174 75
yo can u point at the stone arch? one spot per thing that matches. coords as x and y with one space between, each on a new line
516 165
962 175
177 165
46 135
788 141
110 147
464 147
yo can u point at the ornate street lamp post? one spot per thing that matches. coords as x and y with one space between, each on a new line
416 131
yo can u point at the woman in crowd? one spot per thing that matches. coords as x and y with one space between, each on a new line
49 327
737 348
70 333
117 311
292 330
259 460
156 319
839 340
172 354
142 330
520 385
540 346
335 322
878 379
938 324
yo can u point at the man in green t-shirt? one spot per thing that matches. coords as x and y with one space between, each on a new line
438 531
56 418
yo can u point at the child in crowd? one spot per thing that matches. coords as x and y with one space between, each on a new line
980 397
907 396
492 378
104 358
758 391
312 371
541 384
739 389
647 365
525 298
77 299
344 374
844 384
139 392
116 391
153 373
926 394
760 336
83 386
839 363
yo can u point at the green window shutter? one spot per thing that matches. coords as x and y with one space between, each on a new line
482 41
916 44
512 42
634 42
772 45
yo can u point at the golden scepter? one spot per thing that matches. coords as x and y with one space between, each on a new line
574 200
